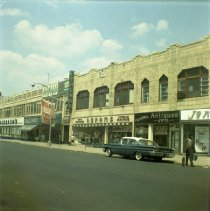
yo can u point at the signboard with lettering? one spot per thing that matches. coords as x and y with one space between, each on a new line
12 121
201 139
50 90
34 120
195 115
47 111
104 120
63 87
158 117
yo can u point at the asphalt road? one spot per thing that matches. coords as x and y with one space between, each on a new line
36 178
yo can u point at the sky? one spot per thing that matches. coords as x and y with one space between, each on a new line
42 40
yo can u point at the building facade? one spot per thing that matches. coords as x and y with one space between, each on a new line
20 115
163 96
148 96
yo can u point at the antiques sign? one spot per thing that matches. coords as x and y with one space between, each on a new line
157 117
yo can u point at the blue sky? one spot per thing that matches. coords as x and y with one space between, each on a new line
41 38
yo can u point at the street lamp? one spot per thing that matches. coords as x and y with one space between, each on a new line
50 126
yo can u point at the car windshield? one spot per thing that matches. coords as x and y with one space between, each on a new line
146 142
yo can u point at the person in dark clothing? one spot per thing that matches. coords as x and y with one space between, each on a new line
190 150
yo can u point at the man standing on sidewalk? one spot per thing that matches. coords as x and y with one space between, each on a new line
190 150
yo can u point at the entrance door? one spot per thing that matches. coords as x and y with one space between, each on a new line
66 134
175 140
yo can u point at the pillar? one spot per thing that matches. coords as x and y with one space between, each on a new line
150 131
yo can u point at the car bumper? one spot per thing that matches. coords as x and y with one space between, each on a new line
155 154
169 155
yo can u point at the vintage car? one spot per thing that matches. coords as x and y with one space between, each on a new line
138 148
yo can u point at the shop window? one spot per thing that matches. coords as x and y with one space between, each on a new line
124 93
145 91
82 100
163 88
101 97
193 82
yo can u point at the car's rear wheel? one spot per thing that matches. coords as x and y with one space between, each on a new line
108 152
138 155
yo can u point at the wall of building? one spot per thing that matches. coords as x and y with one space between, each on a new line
169 63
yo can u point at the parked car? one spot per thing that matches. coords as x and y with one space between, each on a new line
138 148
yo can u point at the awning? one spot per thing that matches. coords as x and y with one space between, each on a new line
27 127
102 124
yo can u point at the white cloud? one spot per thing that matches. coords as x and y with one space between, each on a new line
110 47
97 62
161 43
162 25
12 12
143 28
140 29
54 3
62 41
18 71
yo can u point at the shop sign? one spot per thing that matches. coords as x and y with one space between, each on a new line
12 121
157 117
32 120
50 90
161 130
102 120
63 87
47 111
198 114
201 139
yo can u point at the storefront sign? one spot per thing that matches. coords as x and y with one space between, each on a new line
161 130
12 121
158 117
63 87
199 114
35 120
50 90
201 139
47 111
103 120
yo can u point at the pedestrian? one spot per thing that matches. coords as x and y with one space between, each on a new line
72 138
190 150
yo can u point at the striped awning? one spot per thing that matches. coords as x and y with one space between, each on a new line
102 124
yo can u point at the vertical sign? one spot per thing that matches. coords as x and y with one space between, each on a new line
71 90
202 139
47 111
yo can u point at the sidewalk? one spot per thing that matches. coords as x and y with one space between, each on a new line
203 160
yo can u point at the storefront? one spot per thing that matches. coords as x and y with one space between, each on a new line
106 129
196 123
10 127
30 130
162 127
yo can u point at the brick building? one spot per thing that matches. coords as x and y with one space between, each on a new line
163 96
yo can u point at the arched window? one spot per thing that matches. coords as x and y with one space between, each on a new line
145 91
101 97
163 92
82 100
124 93
193 82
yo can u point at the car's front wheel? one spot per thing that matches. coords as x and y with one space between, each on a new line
138 155
108 152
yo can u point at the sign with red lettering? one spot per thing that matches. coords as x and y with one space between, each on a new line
47 111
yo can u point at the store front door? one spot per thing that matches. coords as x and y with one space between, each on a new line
175 140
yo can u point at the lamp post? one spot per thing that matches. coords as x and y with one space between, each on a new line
51 110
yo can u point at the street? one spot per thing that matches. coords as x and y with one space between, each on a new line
36 178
